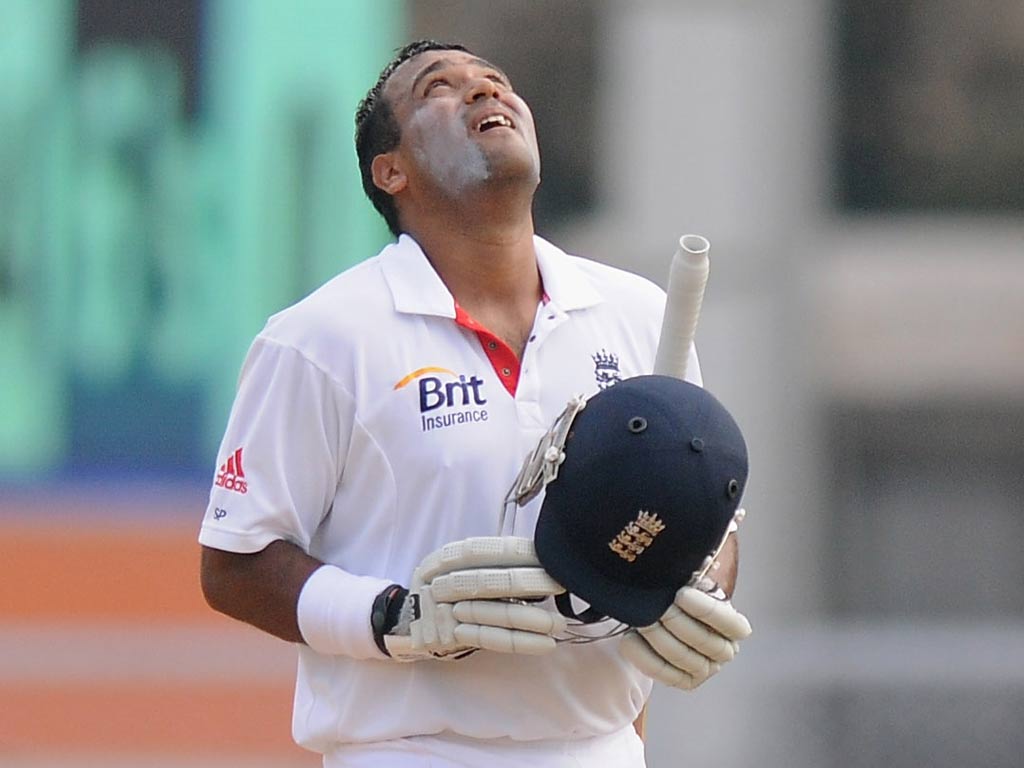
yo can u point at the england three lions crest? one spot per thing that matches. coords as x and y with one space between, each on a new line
606 369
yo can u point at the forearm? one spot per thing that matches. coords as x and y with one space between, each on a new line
726 567
261 589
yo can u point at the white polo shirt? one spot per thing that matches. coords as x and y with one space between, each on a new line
375 422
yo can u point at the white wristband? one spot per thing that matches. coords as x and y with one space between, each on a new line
334 612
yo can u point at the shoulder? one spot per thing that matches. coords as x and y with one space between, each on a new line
327 327
619 282
350 304
615 285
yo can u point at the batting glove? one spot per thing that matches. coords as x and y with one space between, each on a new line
467 596
690 642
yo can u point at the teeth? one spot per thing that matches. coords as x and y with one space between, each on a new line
494 120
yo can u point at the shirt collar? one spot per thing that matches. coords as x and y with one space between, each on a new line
417 289
568 286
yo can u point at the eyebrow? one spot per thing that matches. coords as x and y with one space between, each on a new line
442 63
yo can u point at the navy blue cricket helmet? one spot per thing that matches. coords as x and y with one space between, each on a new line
652 475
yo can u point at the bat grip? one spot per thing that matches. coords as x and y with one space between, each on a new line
688 275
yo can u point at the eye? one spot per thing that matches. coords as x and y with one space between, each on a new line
436 83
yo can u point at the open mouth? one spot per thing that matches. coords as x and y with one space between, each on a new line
494 121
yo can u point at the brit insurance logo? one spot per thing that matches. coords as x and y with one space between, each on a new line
446 398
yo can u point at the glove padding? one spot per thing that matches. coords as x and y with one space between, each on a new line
690 642
468 596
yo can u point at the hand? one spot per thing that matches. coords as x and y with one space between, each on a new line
468 596
690 642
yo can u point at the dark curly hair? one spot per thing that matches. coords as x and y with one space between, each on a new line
377 130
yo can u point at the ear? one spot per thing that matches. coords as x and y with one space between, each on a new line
387 175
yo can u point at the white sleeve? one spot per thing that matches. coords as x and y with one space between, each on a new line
282 455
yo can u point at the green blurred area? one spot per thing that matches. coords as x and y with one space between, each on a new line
142 247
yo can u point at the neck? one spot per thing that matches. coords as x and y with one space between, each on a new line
482 249
484 254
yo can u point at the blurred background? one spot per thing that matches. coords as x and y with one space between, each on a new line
174 171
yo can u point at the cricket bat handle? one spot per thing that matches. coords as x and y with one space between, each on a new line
687 278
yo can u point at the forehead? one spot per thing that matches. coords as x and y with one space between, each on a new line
409 72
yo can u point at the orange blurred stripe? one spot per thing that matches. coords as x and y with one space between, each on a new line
95 565
106 718
101 570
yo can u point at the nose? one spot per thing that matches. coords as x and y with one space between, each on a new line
481 88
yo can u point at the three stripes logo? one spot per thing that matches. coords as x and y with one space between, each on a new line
230 475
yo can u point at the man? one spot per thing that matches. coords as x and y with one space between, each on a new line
387 414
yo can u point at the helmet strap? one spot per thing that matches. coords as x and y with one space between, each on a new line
563 601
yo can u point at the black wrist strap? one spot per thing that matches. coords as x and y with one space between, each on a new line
387 607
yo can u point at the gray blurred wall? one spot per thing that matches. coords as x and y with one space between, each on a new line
874 360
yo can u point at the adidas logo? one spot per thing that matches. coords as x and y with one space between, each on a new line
230 474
